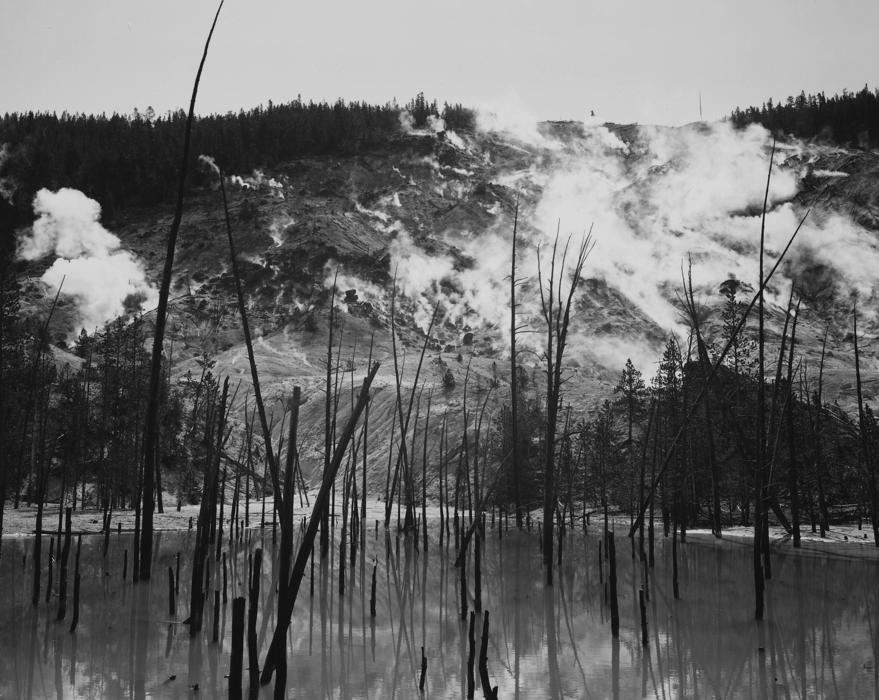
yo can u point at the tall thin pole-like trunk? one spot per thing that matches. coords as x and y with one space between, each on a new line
705 365
759 489
424 477
290 590
650 422
556 309
793 467
365 434
151 432
215 421
328 419
671 448
866 447
287 496
34 402
514 381
271 462
403 456
817 454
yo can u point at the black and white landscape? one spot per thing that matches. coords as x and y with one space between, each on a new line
553 376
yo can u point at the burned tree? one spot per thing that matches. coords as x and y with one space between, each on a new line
555 305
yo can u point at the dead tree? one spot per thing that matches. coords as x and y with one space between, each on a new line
556 308
866 447
151 432
694 406
514 380
290 589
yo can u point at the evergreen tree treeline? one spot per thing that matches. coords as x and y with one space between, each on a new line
608 458
133 160
82 438
851 118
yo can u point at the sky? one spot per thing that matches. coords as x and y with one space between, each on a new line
626 60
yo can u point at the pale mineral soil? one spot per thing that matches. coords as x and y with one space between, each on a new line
21 522
845 540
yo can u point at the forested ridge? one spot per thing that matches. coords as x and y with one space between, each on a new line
133 160
848 119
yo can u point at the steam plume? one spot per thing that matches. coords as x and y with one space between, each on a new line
101 277
655 196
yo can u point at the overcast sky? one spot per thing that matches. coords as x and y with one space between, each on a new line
550 59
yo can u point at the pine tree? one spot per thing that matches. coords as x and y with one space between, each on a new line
632 393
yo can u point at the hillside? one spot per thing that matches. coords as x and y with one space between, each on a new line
436 208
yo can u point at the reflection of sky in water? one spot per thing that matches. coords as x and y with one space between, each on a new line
819 639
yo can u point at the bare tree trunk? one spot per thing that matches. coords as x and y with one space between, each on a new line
151 432
514 381
424 477
817 455
671 448
403 456
793 467
328 429
866 438
705 364
203 526
556 309
759 489
290 589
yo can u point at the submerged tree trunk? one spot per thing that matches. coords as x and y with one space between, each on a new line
866 438
556 310
793 467
817 453
514 381
759 489
274 655
152 417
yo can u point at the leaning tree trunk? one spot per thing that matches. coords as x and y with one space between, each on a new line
290 589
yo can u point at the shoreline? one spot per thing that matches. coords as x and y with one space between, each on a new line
840 541
844 540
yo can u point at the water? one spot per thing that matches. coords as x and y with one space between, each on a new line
819 639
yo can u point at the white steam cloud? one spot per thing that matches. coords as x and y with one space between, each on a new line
100 276
209 163
672 193
654 196
434 124
256 181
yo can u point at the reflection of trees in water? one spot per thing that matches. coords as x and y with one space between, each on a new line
820 636
815 623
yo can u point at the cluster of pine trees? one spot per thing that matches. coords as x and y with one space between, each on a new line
850 119
819 459
133 160
71 425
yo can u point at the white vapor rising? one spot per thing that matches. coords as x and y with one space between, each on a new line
655 197
673 193
99 275
434 124
256 181
209 163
